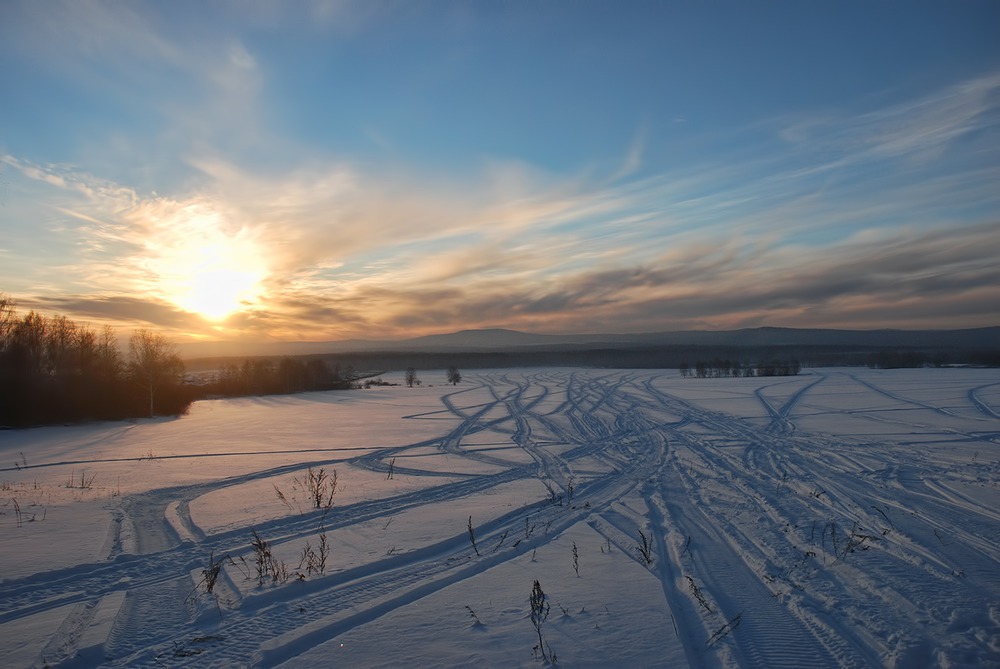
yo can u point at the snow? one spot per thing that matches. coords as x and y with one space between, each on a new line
844 517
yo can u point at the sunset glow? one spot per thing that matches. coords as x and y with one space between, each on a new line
355 169
215 293
198 262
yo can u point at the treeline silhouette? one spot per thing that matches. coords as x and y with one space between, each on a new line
903 359
264 376
668 356
53 370
719 368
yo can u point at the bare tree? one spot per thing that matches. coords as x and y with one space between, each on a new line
154 363
60 340
108 355
454 377
26 347
411 377
8 321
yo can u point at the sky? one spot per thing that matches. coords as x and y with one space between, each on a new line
311 171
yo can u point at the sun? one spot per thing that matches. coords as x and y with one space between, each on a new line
213 274
215 293
217 278
198 260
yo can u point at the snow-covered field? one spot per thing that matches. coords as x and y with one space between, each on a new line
840 518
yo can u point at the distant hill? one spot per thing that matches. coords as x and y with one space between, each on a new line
501 340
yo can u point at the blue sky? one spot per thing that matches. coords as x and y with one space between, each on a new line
324 170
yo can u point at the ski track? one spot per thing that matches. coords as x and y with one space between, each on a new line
899 398
770 544
980 405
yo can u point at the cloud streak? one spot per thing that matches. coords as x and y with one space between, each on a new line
882 216
336 247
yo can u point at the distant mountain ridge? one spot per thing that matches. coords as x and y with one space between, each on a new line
500 339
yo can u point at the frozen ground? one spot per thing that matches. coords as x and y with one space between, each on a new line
841 518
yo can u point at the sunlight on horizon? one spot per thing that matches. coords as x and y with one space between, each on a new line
203 269
216 294
215 172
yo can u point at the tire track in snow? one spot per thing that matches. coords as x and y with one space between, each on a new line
736 504
189 456
729 504
899 561
770 634
716 553
899 398
422 572
779 417
161 543
981 405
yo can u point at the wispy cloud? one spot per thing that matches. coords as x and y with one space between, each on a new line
920 128
887 215
120 309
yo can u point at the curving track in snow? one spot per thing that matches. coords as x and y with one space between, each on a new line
770 543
